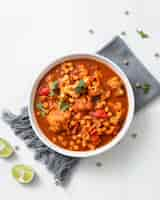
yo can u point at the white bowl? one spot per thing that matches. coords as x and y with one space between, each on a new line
99 150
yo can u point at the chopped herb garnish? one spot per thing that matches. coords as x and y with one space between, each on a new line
81 87
123 33
64 106
146 88
41 109
17 147
133 135
40 106
54 85
126 12
142 34
98 164
91 31
157 55
51 93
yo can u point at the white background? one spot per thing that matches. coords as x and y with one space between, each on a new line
32 34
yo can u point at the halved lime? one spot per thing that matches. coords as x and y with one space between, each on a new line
6 150
23 173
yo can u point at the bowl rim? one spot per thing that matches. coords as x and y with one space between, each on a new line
115 140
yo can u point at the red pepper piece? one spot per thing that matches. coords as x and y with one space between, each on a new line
99 114
44 91
95 139
94 131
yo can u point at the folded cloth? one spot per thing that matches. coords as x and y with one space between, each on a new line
60 165
119 53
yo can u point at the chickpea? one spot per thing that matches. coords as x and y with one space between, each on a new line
45 104
78 141
91 146
117 106
71 100
88 117
54 139
86 136
72 123
106 123
75 77
79 136
51 128
75 147
74 137
110 130
109 114
106 109
84 143
119 92
64 143
82 122
78 116
60 138
71 143
70 148
38 113
114 120
48 78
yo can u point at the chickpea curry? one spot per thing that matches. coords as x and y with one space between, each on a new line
81 104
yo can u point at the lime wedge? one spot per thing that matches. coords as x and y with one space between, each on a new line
23 173
6 150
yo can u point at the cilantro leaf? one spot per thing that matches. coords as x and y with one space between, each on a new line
142 34
51 93
81 87
64 106
54 85
42 110
40 106
146 88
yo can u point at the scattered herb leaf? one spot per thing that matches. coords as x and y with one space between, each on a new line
126 12
134 135
40 107
43 114
157 55
64 106
54 85
81 87
142 34
17 148
146 88
123 33
98 164
91 31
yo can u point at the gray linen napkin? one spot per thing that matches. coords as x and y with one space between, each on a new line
136 72
60 165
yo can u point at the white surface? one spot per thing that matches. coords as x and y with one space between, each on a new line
32 34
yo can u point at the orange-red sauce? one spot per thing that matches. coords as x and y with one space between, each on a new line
81 104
